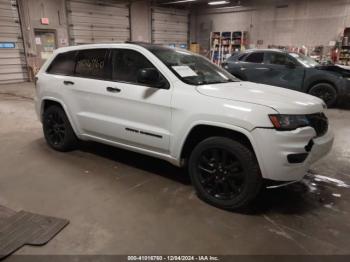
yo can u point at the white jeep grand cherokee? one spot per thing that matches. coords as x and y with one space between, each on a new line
178 106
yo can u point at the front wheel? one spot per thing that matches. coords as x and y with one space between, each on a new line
326 92
225 173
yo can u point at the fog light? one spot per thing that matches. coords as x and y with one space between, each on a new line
297 158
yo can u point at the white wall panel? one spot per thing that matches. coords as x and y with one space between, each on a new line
98 21
276 22
170 26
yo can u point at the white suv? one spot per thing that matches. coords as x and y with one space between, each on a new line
174 105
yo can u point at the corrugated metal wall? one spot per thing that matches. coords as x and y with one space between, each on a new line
170 26
98 21
12 60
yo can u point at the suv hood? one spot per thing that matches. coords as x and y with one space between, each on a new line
282 100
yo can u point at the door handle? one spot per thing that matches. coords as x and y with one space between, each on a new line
263 68
113 89
68 83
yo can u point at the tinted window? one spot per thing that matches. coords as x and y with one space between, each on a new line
242 57
63 64
236 57
126 65
92 63
257 58
276 58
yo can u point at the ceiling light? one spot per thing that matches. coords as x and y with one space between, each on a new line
178 2
229 7
218 2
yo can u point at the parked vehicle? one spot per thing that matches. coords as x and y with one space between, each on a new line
293 71
178 106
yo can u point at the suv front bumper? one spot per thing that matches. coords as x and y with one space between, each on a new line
273 147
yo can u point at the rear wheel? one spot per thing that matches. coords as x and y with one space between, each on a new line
326 92
225 173
58 131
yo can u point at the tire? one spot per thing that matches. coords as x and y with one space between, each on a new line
236 188
326 92
57 130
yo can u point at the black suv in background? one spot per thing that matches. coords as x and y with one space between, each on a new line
291 70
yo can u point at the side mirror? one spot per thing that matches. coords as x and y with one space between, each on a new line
290 65
151 77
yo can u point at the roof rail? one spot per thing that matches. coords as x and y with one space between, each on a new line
137 43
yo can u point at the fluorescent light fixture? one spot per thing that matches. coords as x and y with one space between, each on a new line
218 2
178 2
229 7
237 5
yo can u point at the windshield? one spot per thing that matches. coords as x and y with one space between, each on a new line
192 69
304 60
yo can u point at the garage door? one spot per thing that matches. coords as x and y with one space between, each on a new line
170 26
98 21
12 57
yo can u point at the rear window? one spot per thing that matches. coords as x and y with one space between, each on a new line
63 64
256 58
91 63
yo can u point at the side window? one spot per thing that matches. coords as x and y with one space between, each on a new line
242 57
276 58
63 64
256 58
91 63
126 65
291 60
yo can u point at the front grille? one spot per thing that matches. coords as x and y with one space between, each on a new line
319 122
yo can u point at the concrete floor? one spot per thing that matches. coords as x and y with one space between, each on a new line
124 203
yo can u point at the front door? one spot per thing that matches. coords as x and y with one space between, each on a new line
283 71
144 112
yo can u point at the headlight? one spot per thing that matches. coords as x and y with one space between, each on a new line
289 122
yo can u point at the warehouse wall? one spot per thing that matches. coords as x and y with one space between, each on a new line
140 15
277 22
31 11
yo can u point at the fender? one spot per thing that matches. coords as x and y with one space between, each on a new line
243 131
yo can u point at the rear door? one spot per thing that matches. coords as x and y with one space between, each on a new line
85 88
283 71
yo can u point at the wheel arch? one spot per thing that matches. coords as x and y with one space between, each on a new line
46 102
201 131
321 81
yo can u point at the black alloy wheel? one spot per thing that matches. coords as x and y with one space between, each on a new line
326 92
57 130
221 174
225 173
